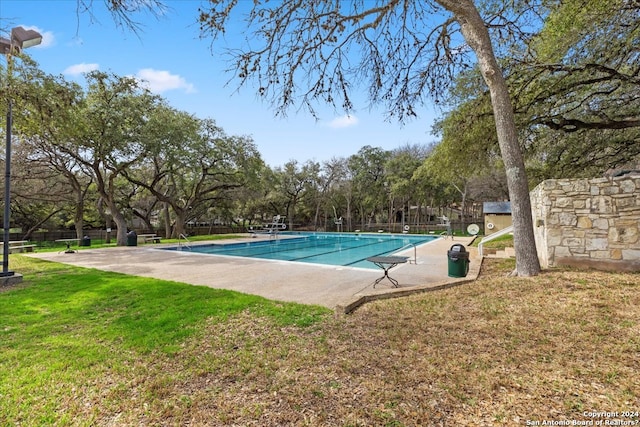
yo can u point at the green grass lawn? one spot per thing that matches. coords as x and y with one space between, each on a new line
80 347
65 328
498 244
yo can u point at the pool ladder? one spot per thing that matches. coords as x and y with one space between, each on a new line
186 244
415 252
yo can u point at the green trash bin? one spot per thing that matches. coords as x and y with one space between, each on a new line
458 261
86 241
132 238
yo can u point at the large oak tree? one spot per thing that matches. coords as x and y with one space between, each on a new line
301 52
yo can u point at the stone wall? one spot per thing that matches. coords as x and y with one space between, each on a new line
588 222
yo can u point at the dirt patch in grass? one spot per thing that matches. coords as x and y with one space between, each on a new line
499 351
7 288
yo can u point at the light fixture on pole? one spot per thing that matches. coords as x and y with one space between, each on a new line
20 39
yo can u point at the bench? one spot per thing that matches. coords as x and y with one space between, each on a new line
147 238
20 248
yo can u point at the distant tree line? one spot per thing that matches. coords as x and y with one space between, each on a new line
108 152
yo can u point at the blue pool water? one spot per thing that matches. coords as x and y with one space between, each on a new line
318 248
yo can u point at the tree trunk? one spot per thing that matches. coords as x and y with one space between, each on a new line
349 224
79 212
291 210
117 217
316 217
179 229
79 225
107 221
475 33
167 221
121 225
107 218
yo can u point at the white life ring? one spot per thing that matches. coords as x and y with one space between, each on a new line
406 228
490 225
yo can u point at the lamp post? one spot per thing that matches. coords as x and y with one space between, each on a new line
20 39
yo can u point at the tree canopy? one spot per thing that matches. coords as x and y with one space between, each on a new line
575 92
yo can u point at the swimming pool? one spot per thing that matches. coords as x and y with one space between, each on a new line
343 249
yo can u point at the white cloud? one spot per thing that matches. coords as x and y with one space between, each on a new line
343 122
78 69
159 81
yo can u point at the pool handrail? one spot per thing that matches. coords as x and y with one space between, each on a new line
415 252
187 243
493 236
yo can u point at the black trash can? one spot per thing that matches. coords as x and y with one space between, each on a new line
132 238
86 241
458 261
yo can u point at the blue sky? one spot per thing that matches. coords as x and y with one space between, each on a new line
168 53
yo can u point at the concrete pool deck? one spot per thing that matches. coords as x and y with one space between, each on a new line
340 288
